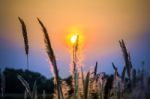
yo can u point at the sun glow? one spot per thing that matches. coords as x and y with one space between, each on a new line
71 36
73 39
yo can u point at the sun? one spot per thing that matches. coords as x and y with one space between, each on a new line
71 36
73 39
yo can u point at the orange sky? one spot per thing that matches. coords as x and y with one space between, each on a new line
101 22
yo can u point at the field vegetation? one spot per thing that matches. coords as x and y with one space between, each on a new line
132 83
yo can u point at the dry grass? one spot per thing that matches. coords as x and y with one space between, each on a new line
92 85
25 37
52 58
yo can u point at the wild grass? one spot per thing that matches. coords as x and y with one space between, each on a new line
86 85
32 94
25 37
52 58
127 58
2 84
75 68
44 94
90 84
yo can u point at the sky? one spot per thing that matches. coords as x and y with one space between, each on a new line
100 24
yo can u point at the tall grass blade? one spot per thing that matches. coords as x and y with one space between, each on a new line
134 78
52 58
115 82
44 94
25 94
86 86
3 84
123 74
82 74
34 92
25 84
116 70
25 37
75 50
76 78
95 70
126 58
75 70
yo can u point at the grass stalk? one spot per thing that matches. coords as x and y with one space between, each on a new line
25 94
86 85
95 69
75 70
25 84
25 37
44 94
52 58
3 82
127 58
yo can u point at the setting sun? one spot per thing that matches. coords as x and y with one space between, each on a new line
71 36
73 39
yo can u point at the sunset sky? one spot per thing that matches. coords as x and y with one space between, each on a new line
100 23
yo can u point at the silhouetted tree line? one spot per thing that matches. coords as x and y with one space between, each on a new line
13 85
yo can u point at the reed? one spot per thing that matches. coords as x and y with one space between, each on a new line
25 84
123 74
3 84
52 58
86 85
101 82
127 58
82 75
116 83
96 82
75 51
75 68
25 94
134 78
25 37
95 70
32 93
115 69
44 94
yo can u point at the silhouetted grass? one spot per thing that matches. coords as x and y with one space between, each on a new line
25 37
52 58
91 84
